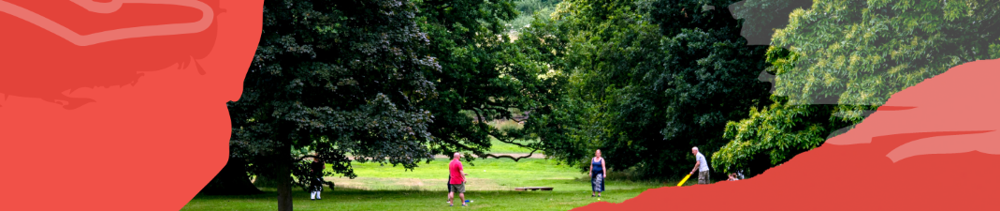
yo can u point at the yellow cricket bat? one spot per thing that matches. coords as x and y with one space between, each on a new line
684 180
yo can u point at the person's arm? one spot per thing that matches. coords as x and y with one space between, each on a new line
590 172
696 164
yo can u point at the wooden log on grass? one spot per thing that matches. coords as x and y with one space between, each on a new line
533 188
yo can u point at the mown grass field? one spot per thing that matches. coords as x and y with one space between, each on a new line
491 184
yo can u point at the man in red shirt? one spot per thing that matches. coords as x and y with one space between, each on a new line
456 181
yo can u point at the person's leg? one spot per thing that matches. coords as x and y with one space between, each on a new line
461 192
319 191
593 183
599 185
451 195
701 178
602 183
704 178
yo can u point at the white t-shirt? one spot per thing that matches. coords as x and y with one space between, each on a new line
702 162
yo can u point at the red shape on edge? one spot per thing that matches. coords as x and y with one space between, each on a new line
133 124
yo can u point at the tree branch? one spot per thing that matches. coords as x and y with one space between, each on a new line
490 155
512 142
482 121
508 156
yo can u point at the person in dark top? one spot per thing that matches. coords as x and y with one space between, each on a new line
597 174
316 186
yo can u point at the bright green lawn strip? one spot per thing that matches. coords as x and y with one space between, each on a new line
392 188
411 200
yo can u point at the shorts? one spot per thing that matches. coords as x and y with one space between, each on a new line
460 188
703 177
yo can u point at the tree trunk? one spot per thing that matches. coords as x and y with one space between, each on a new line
231 180
283 165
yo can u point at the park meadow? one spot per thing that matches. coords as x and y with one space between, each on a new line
491 186
383 92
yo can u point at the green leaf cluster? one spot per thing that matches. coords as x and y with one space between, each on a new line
650 79
839 59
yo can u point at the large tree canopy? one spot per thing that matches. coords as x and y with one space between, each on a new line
338 78
484 76
397 81
384 81
651 79
849 56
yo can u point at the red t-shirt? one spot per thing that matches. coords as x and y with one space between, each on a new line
455 167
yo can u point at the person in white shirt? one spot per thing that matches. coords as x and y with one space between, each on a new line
701 165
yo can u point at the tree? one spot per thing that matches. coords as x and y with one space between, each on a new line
478 74
651 79
849 56
339 78
761 17
484 76
527 10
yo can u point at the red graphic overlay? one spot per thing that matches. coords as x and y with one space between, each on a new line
136 122
933 146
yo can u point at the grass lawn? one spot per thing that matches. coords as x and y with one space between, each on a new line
490 186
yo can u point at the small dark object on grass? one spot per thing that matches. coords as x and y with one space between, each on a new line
533 188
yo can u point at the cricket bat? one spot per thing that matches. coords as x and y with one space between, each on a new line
684 180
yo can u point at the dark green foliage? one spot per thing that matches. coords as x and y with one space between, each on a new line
326 77
335 77
761 17
527 9
384 81
651 79
840 58
484 76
